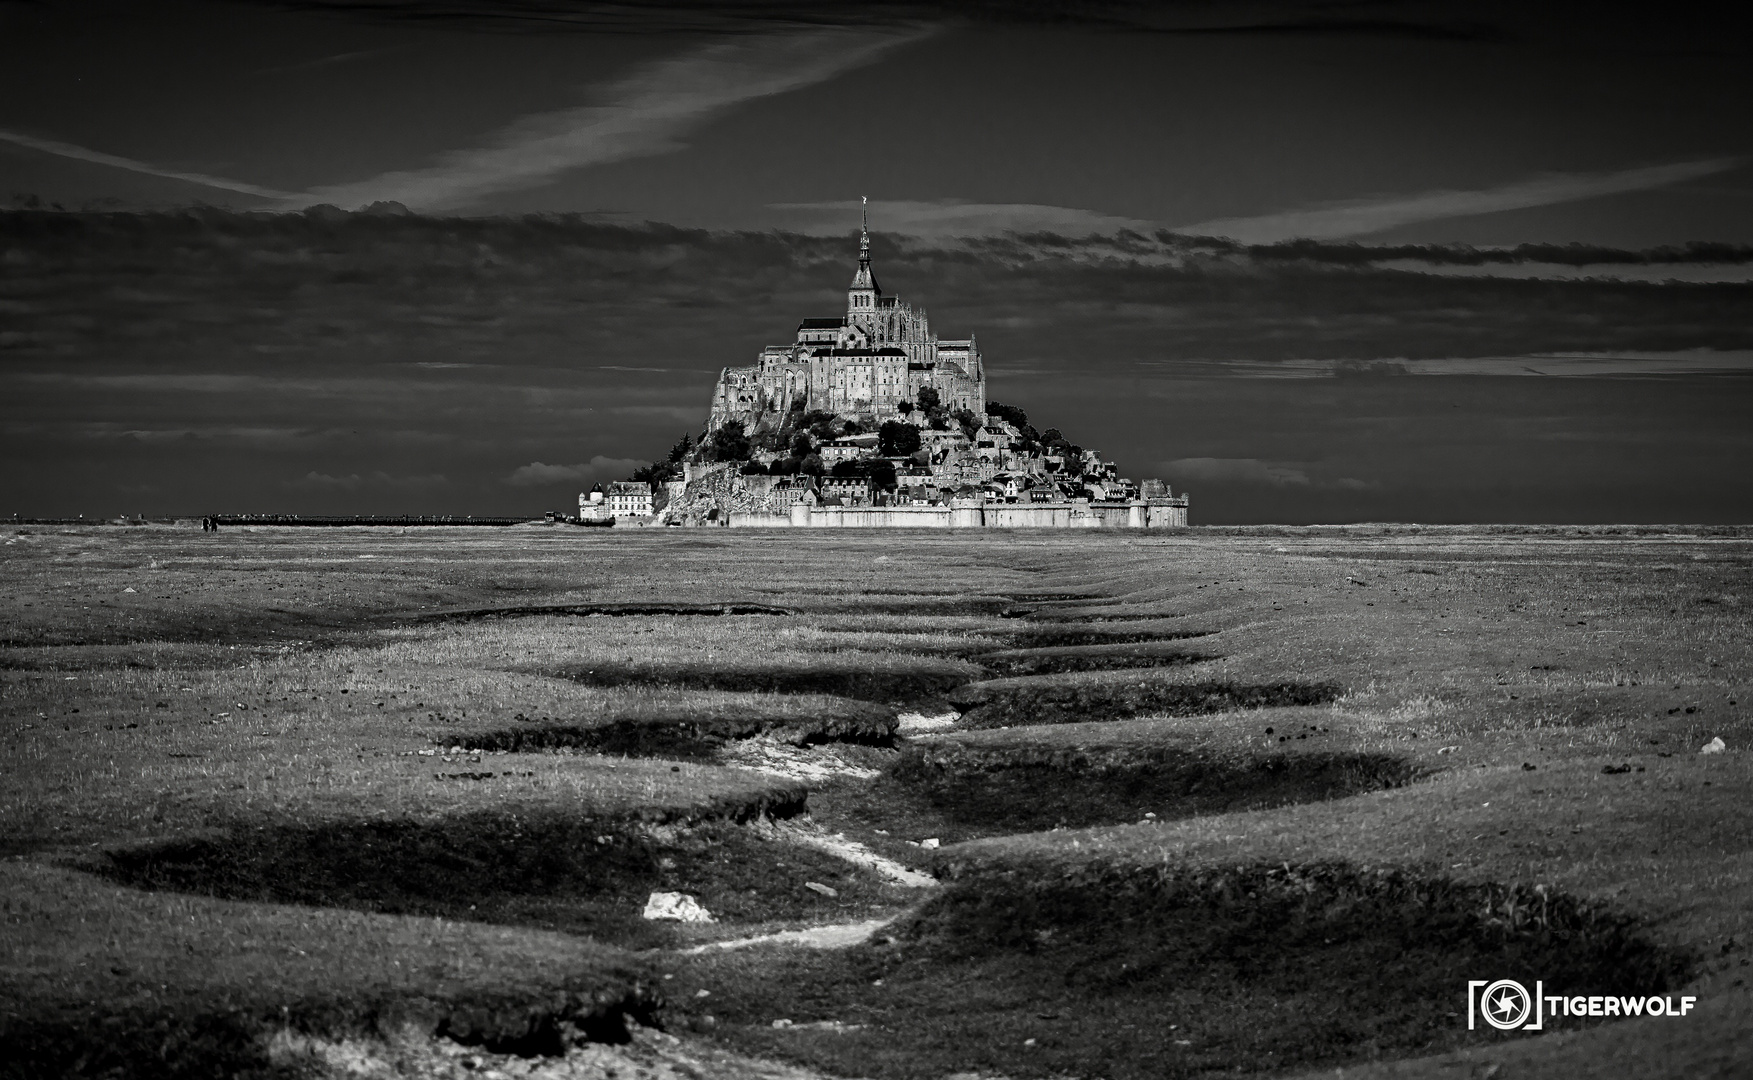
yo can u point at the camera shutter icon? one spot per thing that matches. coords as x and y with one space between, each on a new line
1506 1004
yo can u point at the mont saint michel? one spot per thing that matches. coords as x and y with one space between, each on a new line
867 419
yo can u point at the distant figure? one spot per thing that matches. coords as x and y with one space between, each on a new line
210 524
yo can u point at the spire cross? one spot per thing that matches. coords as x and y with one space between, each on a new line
864 234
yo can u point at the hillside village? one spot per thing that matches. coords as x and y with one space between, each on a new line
871 419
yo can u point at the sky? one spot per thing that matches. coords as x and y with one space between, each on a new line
1465 262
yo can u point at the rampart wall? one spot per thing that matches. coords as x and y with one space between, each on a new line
1129 515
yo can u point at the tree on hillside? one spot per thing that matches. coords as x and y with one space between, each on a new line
1010 414
802 445
728 443
970 423
929 399
896 439
882 475
655 473
1016 418
679 452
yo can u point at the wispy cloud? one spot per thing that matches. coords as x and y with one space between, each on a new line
598 468
331 60
1236 471
644 114
98 157
945 218
1253 471
1327 221
354 482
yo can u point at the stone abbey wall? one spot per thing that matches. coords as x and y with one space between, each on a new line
863 364
1165 514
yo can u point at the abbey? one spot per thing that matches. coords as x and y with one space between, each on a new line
862 365
868 420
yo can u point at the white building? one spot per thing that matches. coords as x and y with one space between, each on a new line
630 498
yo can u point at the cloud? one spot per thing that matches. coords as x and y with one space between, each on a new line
354 482
98 157
644 114
1276 18
597 469
331 60
1655 273
944 218
1327 221
1257 473
1235 471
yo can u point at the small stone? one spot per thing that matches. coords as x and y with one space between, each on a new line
818 887
1714 746
932 842
676 907
702 992
782 1023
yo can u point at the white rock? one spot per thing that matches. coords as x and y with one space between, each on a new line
818 887
928 843
912 721
1714 746
677 907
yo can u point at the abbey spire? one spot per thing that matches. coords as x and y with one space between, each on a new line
862 297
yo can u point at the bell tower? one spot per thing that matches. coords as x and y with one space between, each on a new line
862 297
